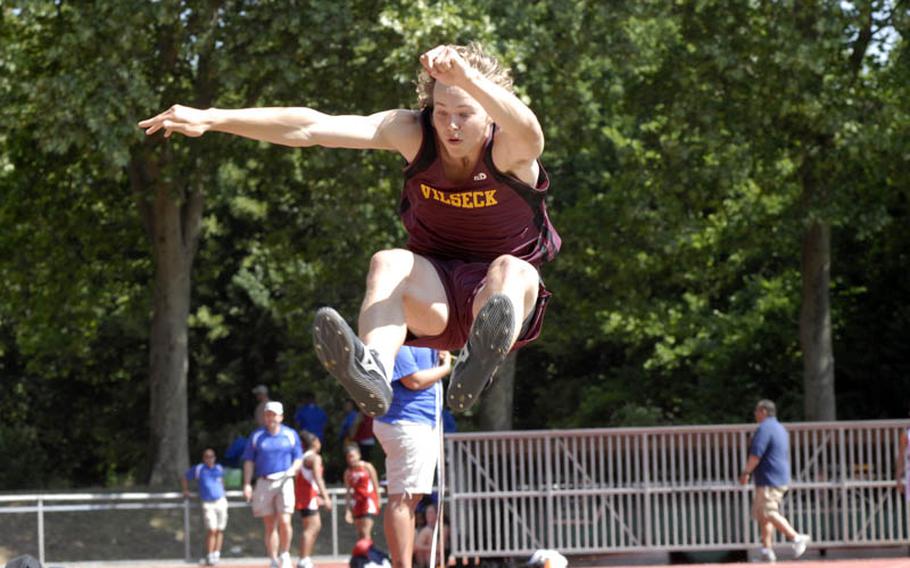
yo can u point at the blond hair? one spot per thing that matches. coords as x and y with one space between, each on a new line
476 57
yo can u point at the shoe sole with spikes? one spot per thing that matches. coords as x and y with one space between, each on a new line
488 345
347 359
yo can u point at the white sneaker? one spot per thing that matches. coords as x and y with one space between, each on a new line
305 563
285 560
767 555
273 563
800 542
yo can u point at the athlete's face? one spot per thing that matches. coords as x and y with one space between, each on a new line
352 457
459 120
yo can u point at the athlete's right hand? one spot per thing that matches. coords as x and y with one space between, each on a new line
186 120
247 492
444 64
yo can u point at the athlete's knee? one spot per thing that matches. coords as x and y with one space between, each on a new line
508 267
395 262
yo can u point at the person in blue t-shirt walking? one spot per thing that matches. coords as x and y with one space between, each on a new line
769 467
409 434
210 479
274 454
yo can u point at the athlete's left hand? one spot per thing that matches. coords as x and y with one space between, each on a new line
444 64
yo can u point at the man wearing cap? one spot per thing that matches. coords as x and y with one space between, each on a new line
262 397
274 454
210 478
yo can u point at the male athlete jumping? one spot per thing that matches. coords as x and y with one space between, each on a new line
473 205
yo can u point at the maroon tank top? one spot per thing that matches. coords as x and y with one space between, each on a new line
491 214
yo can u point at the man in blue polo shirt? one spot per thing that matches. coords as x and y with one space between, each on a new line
769 466
408 433
274 454
210 479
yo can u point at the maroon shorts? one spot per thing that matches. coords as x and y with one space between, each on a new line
462 281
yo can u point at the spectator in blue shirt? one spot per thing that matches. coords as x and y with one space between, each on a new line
769 466
448 422
233 454
209 477
347 421
274 454
309 416
409 434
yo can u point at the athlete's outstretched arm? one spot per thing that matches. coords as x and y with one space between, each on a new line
295 126
521 131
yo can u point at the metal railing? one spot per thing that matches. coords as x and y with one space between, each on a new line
611 490
44 504
666 489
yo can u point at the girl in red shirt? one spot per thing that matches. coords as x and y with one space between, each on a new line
362 500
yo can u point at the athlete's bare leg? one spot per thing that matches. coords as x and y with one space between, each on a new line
403 292
507 298
516 279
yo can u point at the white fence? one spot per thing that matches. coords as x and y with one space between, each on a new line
666 489
613 490
47 504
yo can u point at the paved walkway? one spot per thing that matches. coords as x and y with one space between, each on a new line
321 562
328 562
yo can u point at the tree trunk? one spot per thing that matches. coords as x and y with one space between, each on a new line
815 324
172 219
496 406
168 361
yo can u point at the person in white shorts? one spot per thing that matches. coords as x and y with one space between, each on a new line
409 434
274 454
210 479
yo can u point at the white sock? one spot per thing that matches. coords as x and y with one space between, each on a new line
387 365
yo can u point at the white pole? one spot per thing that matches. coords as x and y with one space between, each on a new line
41 530
186 529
